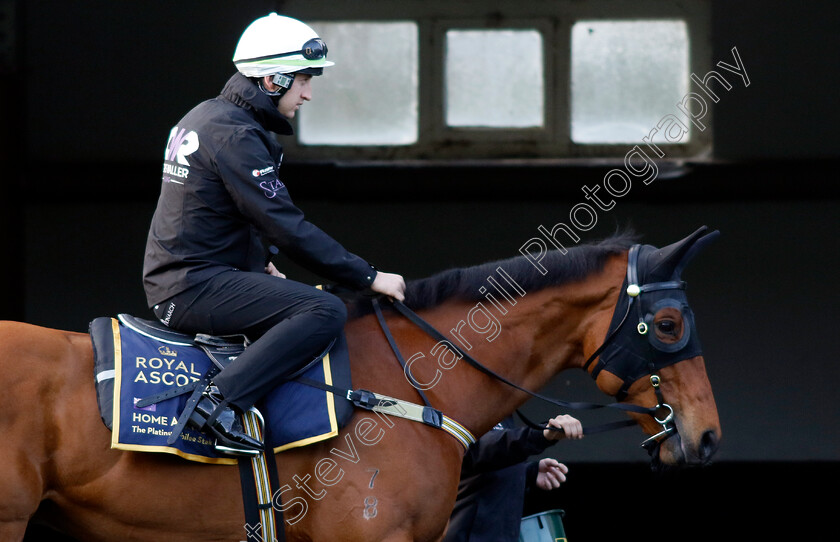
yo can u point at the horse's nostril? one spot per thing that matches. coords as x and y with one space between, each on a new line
708 445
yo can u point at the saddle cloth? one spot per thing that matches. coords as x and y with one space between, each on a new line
136 358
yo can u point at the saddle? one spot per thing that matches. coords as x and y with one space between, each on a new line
146 374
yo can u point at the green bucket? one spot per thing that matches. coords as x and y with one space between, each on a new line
543 527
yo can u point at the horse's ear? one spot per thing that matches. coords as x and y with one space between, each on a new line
670 260
698 245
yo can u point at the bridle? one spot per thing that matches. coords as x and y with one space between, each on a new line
662 413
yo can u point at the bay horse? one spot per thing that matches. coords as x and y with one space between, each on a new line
525 319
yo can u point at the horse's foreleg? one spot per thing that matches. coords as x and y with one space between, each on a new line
20 494
21 477
12 531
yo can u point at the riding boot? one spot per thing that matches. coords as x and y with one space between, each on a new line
213 415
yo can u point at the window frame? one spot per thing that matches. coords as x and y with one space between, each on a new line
551 144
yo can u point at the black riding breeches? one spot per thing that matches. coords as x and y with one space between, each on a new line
289 323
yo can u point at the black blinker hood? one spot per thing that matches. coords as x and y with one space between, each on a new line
630 353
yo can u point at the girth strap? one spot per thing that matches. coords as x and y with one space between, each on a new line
258 475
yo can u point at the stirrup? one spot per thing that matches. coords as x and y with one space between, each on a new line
245 452
240 452
205 417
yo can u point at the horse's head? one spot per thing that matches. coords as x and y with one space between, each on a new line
652 355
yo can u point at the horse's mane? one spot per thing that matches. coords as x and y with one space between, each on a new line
465 283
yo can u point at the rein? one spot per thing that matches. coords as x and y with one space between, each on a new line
435 334
663 413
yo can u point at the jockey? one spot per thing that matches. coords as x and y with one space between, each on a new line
223 210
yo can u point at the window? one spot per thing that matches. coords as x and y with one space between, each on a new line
370 96
625 75
494 78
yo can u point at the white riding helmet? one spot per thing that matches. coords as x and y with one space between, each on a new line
276 44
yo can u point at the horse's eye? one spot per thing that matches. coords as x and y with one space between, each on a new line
666 326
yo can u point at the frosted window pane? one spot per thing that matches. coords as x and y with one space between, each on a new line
626 76
494 78
370 96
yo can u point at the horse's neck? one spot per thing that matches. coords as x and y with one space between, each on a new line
544 333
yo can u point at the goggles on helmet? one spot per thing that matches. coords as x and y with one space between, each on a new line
314 49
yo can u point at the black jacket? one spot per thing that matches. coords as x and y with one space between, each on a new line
495 478
222 202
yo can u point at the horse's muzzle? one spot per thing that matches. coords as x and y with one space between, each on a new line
674 453
708 447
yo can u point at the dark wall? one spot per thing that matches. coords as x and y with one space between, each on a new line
788 110
97 106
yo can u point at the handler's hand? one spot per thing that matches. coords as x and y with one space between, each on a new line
551 474
271 270
389 284
571 428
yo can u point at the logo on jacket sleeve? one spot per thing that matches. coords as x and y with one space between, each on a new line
181 144
263 171
270 187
